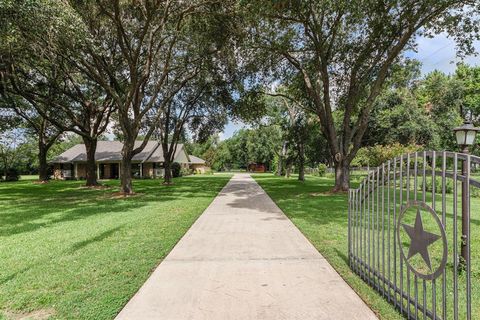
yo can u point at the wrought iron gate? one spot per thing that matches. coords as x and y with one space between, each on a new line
406 238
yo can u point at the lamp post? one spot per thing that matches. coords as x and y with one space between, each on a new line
465 136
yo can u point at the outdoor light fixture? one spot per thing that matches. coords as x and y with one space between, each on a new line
465 134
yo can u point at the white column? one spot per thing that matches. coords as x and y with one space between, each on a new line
98 171
75 170
141 170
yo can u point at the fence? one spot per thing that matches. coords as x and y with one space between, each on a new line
410 237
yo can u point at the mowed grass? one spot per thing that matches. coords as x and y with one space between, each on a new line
74 253
323 218
28 177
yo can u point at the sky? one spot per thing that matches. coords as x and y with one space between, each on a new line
437 53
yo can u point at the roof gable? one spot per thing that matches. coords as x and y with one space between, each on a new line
196 160
157 154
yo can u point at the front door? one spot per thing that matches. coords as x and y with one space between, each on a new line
114 171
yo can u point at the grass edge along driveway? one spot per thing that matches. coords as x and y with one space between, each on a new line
323 218
67 252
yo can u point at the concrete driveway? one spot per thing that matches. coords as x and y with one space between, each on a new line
244 259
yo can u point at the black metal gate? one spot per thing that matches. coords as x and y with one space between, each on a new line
409 234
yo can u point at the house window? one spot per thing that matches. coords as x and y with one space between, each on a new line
136 170
66 169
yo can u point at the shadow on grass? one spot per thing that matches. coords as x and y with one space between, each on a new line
15 274
341 255
75 247
307 200
102 236
26 207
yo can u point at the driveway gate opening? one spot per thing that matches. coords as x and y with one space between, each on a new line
409 233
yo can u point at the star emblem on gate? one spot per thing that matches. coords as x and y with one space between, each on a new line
420 239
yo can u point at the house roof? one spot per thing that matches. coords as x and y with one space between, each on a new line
195 160
108 151
157 154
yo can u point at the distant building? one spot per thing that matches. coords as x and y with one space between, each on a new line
257 167
197 164
71 164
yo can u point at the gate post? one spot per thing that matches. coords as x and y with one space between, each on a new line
350 225
465 209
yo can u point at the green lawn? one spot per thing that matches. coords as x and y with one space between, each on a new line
323 218
29 177
76 253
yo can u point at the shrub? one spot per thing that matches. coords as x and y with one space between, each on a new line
185 172
322 169
12 175
176 170
330 175
438 185
200 171
375 155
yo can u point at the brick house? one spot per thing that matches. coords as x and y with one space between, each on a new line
108 157
198 165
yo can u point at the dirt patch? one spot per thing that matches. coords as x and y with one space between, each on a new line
40 182
122 195
99 187
327 193
321 194
41 314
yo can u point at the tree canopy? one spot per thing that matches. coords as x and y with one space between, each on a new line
315 80
344 52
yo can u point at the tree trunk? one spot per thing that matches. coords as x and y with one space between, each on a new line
342 176
126 168
126 176
288 170
279 166
301 162
167 162
91 166
42 162
281 159
168 177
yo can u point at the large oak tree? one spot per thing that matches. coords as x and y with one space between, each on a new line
138 52
343 51
38 62
35 124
